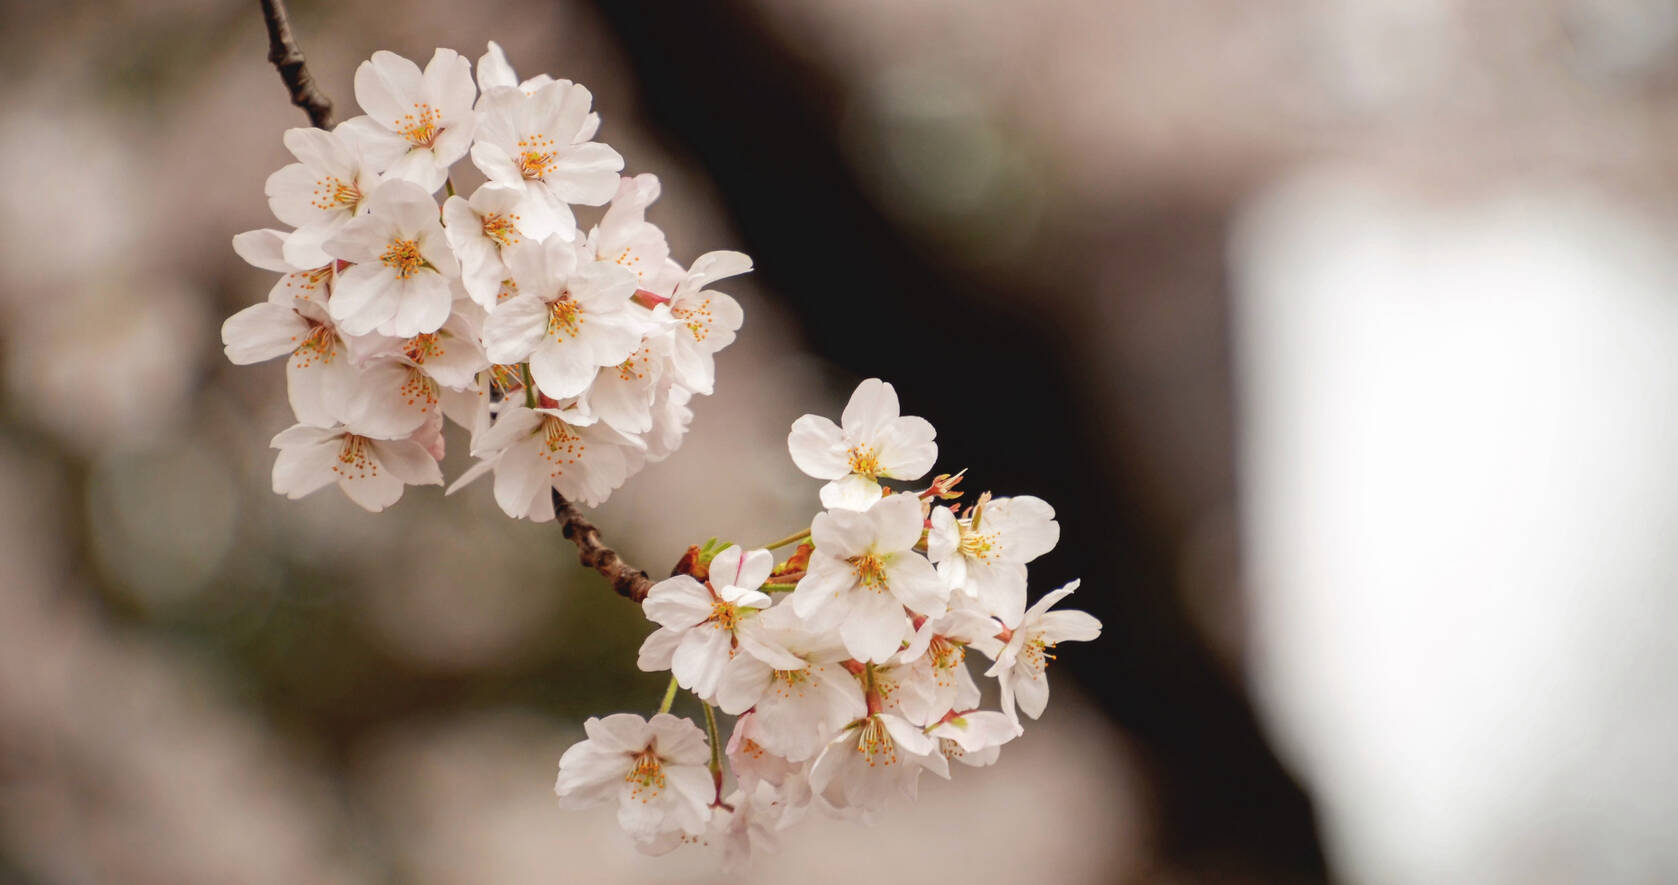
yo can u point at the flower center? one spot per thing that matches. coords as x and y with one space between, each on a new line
503 229
536 156
404 256
420 127
647 775
976 545
508 378
320 345
724 616
865 461
1036 655
946 655
355 459
870 571
307 282
423 346
875 744
564 319
696 318
563 446
333 192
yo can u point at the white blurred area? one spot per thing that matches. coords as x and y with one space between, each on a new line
1460 461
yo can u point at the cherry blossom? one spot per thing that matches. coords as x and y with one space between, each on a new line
539 143
872 440
418 123
399 282
984 554
478 229
706 320
864 572
1020 666
371 471
567 320
655 770
874 760
320 193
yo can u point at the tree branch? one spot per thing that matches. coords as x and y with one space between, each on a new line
288 59
630 582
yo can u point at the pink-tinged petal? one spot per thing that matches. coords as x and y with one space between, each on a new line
943 536
262 332
291 194
493 69
694 786
408 461
361 240
658 649
264 249
713 266
390 402
563 369
519 478
760 644
872 406
1000 588
600 286
448 79
852 491
678 602
421 167
306 247
818 448
319 385
321 151
379 147
680 742
514 330
699 660
619 732
726 566
367 296
896 522
409 206
1026 523
373 489
826 581
906 449
422 307
875 628
586 175
1031 694
515 425
842 533
387 86
589 775
305 460
497 165
907 736
557 110
755 569
1069 626
1050 598
743 681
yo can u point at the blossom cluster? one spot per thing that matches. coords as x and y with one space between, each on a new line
846 664
570 355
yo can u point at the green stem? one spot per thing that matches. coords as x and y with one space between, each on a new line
778 588
529 386
789 539
716 746
448 184
669 696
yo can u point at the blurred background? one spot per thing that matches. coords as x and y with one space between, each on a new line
1342 334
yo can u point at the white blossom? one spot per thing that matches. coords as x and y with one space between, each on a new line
418 123
319 194
540 144
872 440
1020 666
984 554
371 471
864 572
655 770
399 284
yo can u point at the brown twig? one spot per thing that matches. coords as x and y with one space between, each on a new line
630 582
288 59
